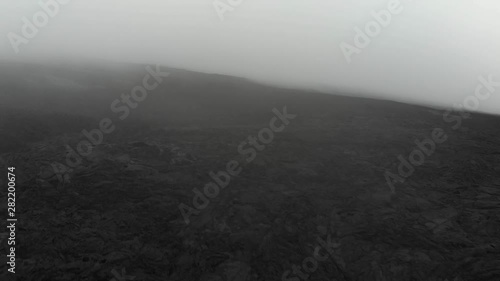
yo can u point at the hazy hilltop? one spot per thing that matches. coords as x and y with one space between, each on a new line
86 93
89 89
189 98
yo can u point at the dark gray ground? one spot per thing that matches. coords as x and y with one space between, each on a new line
321 178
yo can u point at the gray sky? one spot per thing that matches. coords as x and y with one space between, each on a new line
433 51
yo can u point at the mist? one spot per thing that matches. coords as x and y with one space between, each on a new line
431 52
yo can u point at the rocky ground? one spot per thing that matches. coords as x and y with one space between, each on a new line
116 215
314 203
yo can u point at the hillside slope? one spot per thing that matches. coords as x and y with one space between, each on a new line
319 181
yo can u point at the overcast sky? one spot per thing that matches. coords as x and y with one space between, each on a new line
431 51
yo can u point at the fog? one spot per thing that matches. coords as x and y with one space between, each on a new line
430 52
